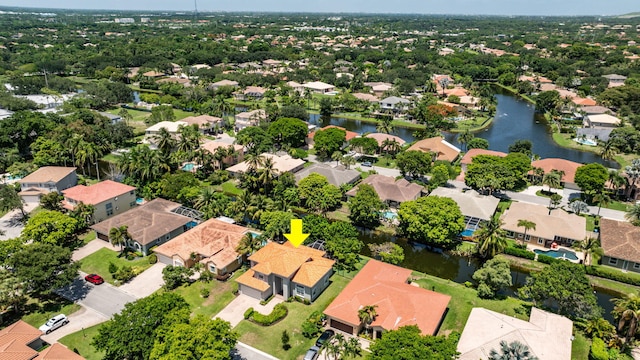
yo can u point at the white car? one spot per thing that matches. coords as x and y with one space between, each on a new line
54 323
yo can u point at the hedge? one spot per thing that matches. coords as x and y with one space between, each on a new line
522 253
248 313
611 274
278 313
546 259
598 350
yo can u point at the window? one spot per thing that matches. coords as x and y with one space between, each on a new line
510 234
540 241
109 212
131 192
527 238
109 206
132 204
613 261
299 290
636 265
212 268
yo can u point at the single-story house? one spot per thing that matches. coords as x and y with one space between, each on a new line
212 243
296 86
250 93
558 226
381 138
615 79
336 176
366 97
476 208
581 101
442 149
154 74
394 103
620 243
381 88
108 198
149 225
601 134
319 87
204 122
222 83
393 192
249 118
21 341
397 302
286 271
602 120
281 164
468 157
113 118
349 135
214 145
152 131
548 336
45 180
595 110
568 167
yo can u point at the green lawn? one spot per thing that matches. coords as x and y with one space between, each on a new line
136 115
81 341
580 346
591 222
220 295
230 188
98 263
267 338
39 313
181 114
472 125
110 158
87 237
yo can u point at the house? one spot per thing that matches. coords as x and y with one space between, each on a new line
319 87
113 118
153 74
21 341
213 146
601 134
548 336
552 226
349 135
442 149
221 83
380 88
568 168
393 192
594 110
250 93
394 104
381 138
206 123
151 224
476 208
615 80
602 121
281 164
212 244
249 118
108 198
296 86
286 271
366 97
620 243
468 157
45 180
582 101
152 131
397 302
336 176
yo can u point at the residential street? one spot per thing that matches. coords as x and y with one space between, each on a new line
105 299
10 223
246 352
78 321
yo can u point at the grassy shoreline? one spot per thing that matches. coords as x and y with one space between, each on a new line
515 92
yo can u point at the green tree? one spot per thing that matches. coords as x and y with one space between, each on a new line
41 275
249 244
477 143
602 199
365 207
547 101
408 343
194 339
491 238
626 311
285 340
564 286
579 206
431 220
255 139
288 132
387 252
51 227
175 276
385 125
328 141
83 213
439 176
554 201
600 328
342 245
527 225
512 351
52 201
464 139
119 236
160 113
591 177
367 314
10 200
12 292
414 163
364 145
494 276
131 334
276 223
633 214
522 146
552 179
326 106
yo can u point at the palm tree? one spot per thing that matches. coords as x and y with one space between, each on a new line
608 150
385 125
249 244
347 161
616 180
268 174
627 312
119 236
600 328
367 314
164 141
602 199
205 201
430 87
491 238
125 115
337 155
464 138
552 179
588 247
527 225
633 173
254 161
512 351
633 214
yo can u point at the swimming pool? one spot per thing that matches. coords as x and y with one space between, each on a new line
467 233
389 215
188 167
558 254
585 141
139 201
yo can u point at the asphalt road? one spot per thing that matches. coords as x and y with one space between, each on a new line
246 352
104 298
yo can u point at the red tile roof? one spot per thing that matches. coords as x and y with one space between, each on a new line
468 157
620 240
569 167
350 134
398 303
14 340
58 352
442 148
97 193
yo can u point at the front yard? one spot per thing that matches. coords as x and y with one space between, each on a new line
37 312
220 295
81 341
98 263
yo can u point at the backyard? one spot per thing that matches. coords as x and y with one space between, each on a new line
98 263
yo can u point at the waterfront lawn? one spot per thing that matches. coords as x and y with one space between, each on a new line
82 341
473 124
98 263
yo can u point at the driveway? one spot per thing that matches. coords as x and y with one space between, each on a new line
146 283
246 352
105 299
234 312
11 223
78 321
91 247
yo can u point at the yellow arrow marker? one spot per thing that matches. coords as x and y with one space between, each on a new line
296 237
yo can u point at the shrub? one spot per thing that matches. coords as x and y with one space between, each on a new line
546 259
124 274
153 259
485 292
175 276
468 284
611 274
248 313
312 326
285 340
278 313
298 153
266 301
112 268
204 292
522 253
598 350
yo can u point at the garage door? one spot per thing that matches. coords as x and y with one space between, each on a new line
164 259
341 326
254 293
31 199
104 237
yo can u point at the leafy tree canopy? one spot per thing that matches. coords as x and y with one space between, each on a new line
365 207
431 220
51 227
328 141
591 177
289 132
407 343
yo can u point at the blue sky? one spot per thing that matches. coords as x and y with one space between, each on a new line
470 7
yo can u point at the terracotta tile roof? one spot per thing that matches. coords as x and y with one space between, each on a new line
212 146
58 352
47 173
312 271
97 193
380 138
281 164
468 157
14 339
620 239
146 222
559 223
569 167
252 282
443 149
213 240
203 121
399 303
584 102
285 260
349 134
390 189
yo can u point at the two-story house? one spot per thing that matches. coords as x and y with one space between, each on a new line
108 198
249 118
45 180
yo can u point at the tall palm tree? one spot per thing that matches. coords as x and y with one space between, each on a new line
254 161
491 238
119 236
602 199
633 173
552 180
608 150
367 314
464 138
627 312
512 351
527 225
337 155
588 246
205 201
165 141
249 244
385 125
633 214
347 161
616 180
268 174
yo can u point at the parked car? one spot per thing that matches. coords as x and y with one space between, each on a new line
324 337
367 163
54 323
94 279
312 354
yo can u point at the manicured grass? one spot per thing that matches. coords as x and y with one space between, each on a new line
591 222
267 338
566 140
503 205
580 346
87 237
230 188
136 115
386 162
340 214
40 312
472 125
81 341
181 114
611 285
98 263
617 205
220 295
